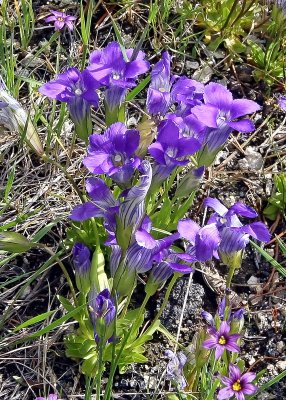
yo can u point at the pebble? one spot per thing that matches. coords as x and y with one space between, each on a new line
280 346
253 280
281 365
191 65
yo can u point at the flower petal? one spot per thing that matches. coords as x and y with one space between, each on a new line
257 230
242 107
218 95
85 211
144 239
243 210
248 388
216 205
207 114
188 229
207 242
225 393
244 126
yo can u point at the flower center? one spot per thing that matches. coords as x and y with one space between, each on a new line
171 152
222 340
162 90
117 160
78 92
236 386
60 19
115 76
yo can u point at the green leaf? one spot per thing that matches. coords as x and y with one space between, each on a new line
55 324
66 303
270 259
281 245
15 242
34 320
46 229
133 93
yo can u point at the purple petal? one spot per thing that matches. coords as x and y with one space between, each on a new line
242 107
58 13
59 25
210 343
51 18
218 96
234 347
135 68
234 372
52 397
70 25
225 393
257 230
243 210
207 114
239 395
248 388
99 191
224 329
207 242
156 150
168 132
244 126
187 147
85 211
282 102
216 205
157 102
181 268
144 239
247 377
188 229
132 139
53 90
218 351
226 381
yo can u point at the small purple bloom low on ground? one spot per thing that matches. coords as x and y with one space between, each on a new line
221 340
237 384
60 20
175 368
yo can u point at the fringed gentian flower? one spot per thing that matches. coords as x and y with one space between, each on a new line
102 313
78 90
234 236
103 204
220 109
224 233
175 368
221 340
187 93
159 91
113 153
170 150
81 260
237 384
116 72
203 241
60 20
132 209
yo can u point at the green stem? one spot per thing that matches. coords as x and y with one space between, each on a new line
63 268
163 305
141 311
99 372
228 283
127 302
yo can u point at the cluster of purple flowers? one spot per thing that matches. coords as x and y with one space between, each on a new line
224 235
193 121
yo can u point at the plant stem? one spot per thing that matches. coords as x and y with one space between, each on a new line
163 305
99 372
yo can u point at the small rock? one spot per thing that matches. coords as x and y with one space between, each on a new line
281 365
191 65
280 346
253 280
252 161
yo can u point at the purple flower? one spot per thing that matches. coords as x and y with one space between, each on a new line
203 241
102 313
187 93
78 90
282 102
237 384
61 20
113 153
118 73
170 150
81 261
50 397
220 109
234 236
159 91
208 317
221 340
175 368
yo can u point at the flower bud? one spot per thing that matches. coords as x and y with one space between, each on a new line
190 182
81 261
15 242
